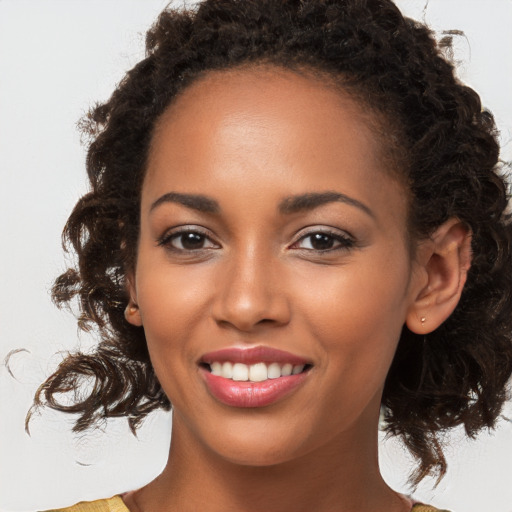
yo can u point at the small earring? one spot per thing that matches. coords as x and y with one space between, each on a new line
130 310
423 320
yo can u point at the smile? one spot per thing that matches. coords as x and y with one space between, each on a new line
258 372
252 377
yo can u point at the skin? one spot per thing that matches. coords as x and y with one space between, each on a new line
248 140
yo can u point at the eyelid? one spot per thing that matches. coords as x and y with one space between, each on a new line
347 241
169 234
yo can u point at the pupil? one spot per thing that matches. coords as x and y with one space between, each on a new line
192 241
320 241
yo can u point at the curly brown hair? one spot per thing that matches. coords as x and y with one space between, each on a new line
457 375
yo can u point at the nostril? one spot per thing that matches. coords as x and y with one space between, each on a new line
266 321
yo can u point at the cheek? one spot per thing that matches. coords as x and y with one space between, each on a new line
169 308
172 298
365 292
357 315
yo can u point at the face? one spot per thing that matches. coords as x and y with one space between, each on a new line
272 241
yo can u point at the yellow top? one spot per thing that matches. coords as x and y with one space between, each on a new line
426 508
116 504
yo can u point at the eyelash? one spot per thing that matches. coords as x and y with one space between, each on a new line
168 237
344 242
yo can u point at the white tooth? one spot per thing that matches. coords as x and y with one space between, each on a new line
227 370
297 369
274 371
216 368
240 372
258 372
286 369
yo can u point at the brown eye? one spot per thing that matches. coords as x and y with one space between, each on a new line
322 242
188 241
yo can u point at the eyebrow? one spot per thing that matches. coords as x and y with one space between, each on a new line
289 205
197 202
313 200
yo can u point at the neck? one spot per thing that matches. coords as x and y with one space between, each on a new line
341 475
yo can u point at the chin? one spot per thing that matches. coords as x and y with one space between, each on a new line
259 457
247 445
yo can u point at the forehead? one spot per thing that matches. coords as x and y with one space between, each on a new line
252 127
271 95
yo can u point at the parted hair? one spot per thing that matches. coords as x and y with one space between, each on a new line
456 375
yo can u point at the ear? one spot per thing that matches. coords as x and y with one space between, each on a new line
132 311
444 263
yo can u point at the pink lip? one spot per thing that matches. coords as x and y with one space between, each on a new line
251 394
252 355
245 393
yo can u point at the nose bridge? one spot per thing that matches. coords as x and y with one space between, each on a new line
251 291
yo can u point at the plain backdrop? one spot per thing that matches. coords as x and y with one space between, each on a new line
57 58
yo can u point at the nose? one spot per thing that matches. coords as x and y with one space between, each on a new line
251 293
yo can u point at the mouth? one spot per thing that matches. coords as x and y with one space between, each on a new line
259 372
252 377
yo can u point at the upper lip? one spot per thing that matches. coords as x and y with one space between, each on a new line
252 355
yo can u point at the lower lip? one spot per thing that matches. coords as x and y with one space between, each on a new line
251 394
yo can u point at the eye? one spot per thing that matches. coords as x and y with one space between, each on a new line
187 240
322 241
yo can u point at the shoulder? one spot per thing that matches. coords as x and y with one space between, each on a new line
114 504
419 507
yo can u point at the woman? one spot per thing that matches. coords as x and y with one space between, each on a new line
295 218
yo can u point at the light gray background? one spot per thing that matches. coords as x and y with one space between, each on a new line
56 59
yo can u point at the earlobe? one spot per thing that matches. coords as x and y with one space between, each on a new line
132 314
445 262
132 311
